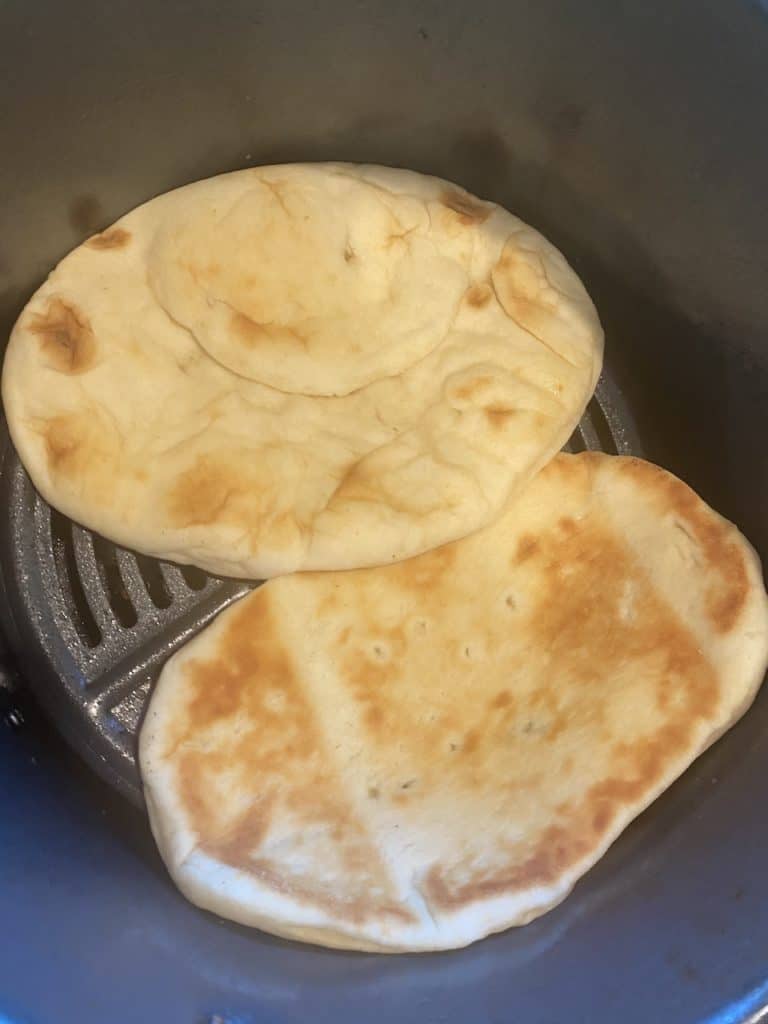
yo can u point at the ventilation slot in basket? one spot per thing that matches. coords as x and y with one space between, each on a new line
69 581
112 581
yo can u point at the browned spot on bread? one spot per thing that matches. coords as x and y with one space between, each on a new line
527 547
499 416
366 672
202 493
252 662
65 337
502 699
217 488
724 609
112 238
468 209
567 524
473 389
250 332
240 839
602 818
519 281
471 741
478 295
63 438
79 447
424 575
554 853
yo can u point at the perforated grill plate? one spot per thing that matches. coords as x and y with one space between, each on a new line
92 623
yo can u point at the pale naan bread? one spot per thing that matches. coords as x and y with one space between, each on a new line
480 344
413 756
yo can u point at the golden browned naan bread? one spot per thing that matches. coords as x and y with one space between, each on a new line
172 383
411 757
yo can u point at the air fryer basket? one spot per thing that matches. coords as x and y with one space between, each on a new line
633 135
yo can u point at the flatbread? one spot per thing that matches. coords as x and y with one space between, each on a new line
121 394
414 756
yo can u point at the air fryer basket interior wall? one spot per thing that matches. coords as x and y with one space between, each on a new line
632 136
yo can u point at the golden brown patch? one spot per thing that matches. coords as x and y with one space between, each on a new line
63 438
202 493
473 389
66 337
471 741
366 672
554 853
527 547
467 208
425 575
478 295
567 524
81 448
498 416
244 835
252 333
112 238
219 488
518 286
502 699
272 762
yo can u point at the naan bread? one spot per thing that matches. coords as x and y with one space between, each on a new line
414 756
136 380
